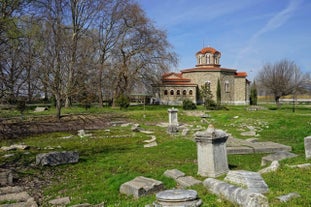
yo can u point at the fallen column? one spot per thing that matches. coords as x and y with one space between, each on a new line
234 194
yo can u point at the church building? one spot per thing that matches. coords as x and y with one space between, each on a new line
176 87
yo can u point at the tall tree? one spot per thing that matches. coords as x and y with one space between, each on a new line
142 48
81 16
218 93
53 60
253 94
281 78
10 49
108 23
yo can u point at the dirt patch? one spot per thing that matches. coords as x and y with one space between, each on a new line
17 128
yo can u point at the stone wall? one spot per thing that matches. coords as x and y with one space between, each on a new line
241 88
201 78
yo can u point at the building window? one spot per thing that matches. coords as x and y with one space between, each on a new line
200 59
208 84
190 92
227 89
184 92
172 92
208 58
165 92
178 92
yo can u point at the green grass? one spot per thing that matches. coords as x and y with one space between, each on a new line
110 158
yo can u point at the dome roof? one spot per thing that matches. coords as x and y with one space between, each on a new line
208 50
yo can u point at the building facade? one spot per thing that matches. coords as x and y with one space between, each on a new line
176 87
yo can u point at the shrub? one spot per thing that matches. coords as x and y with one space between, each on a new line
123 101
188 105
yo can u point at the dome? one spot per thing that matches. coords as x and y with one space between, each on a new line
208 50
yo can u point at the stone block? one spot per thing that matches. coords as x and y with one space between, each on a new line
281 155
250 180
288 197
174 173
272 168
10 189
40 109
234 194
60 201
151 144
307 144
187 181
6 177
141 186
57 158
20 196
305 165
15 147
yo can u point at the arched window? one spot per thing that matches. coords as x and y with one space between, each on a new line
184 92
208 84
165 92
208 59
172 92
227 88
200 59
178 92
190 92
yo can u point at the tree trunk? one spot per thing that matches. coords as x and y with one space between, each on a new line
277 101
58 107
99 87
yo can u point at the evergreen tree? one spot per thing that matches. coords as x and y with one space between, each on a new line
207 96
218 93
253 95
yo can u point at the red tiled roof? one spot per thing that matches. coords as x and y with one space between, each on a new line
202 69
179 83
241 74
208 49
172 73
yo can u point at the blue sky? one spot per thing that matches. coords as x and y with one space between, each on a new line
248 33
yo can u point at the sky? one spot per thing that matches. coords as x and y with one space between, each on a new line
248 33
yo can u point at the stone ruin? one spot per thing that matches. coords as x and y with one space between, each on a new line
57 158
173 121
212 152
177 198
307 144
141 186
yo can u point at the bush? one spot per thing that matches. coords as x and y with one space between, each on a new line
188 105
123 101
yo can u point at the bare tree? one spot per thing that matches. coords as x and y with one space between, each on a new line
10 50
53 59
141 49
81 15
281 79
109 23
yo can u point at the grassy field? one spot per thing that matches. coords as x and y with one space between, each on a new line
111 157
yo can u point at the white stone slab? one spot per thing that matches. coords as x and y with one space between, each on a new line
251 180
141 186
187 181
174 173
277 156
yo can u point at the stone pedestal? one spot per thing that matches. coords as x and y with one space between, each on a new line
177 198
307 143
212 153
173 120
